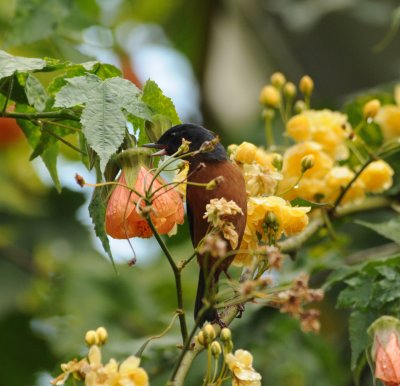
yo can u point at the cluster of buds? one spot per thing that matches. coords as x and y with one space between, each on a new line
93 372
239 363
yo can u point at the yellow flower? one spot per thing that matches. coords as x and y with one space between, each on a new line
293 156
388 119
290 220
377 177
130 374
259 180
181 177
328 128
243 373
337 179
270 96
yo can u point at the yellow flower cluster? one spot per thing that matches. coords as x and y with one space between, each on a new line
286 220
328 128
93 372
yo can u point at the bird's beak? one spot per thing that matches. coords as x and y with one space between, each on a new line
162 151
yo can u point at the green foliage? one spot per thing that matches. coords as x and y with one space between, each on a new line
372 289
389 229
9 64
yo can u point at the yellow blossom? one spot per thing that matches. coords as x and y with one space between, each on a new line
290 220
328 128
131 374
336 180
388 119
293 156
241 366
377 177
371 108
181 177
245 153
259 180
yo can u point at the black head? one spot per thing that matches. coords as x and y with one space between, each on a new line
171 140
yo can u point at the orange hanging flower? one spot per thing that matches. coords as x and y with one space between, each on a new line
386 349
123 215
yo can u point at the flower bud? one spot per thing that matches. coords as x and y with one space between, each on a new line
306 85
226 334
215 349
271 219
184 148
268 113
307 162
214 183
201 339
289 90
209 333
371 108
102 335
270 96
299 107
277 162
278 79
80 180
91 338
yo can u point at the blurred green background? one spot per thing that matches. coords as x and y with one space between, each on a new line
211 57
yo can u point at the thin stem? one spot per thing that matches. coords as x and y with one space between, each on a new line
293 186
61 139
348 186
177 275
269 135
54 123
45 114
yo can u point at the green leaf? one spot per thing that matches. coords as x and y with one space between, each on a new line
358 294
302 202
33 134
103 120
163 110
10 64
359 340
35 20
389 229
35 92
97 212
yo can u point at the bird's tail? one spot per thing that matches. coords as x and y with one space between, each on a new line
204 289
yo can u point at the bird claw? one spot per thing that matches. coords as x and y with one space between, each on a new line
240 308
220 322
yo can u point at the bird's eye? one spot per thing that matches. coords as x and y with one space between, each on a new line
173 134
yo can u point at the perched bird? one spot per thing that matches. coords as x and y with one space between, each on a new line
204 167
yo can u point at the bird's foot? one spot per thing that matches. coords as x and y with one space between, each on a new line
240 308
219 321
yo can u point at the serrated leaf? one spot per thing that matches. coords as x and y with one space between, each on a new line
33 134
159 103
103 120
9 64
35 20
97 212
389 229
35 92
359 340
358 294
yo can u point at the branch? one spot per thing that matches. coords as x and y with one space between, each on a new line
45 114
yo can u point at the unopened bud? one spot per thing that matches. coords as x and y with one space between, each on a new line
371 108
216 349
307 162
306 85
277 162
80 180
299 107
289 90
208 146
271 219
278 79
226 334
201 339
209 333
270 96
91 338
102 335
184 148
214 183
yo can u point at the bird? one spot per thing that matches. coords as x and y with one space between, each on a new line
204 167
